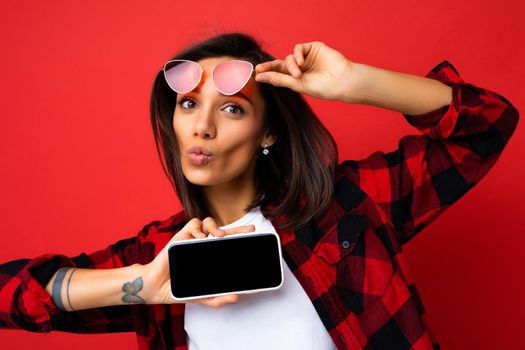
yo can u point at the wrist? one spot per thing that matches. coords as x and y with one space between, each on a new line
138 277
352 83
154 279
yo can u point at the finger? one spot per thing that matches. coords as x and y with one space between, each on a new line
240 229
298 53
210 226
292 66
194 229
217 302
194 225
275 65
199 235
282 80
264 66
301 51
230 298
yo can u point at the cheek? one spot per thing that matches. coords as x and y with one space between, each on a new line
176 124
235 158
239 140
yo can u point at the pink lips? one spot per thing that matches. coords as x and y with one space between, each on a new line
199 155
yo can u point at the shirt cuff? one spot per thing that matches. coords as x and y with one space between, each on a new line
35 302
441 122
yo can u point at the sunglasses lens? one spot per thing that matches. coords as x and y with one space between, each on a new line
231 76
182 76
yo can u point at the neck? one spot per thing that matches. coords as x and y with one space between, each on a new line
226 202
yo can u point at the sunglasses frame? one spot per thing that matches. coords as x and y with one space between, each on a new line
212 76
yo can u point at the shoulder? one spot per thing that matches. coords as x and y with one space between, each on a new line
164 227
347 191
172 223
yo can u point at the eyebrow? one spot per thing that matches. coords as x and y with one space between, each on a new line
238 94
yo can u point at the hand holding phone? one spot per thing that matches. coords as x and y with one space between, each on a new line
244 263
157 283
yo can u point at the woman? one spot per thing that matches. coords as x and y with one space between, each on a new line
256 158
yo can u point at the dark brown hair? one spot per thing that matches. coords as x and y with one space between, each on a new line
296 177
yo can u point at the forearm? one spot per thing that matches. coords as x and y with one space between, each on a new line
401 92
76 289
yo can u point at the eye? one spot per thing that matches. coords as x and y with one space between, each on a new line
235 107
231 108
182 100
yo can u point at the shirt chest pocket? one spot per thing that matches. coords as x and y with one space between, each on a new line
355 260
342 238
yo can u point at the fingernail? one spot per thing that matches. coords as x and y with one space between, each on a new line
261 77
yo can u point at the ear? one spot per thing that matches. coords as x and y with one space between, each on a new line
268 139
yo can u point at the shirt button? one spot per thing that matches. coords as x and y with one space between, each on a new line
346 244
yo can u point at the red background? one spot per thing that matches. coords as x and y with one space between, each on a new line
79 168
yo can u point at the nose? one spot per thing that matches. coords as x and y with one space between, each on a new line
205 123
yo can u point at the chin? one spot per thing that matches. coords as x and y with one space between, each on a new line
196 176
204 180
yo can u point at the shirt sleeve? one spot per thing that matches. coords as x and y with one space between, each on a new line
455 148
25 304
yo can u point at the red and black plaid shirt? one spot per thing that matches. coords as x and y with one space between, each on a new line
349 262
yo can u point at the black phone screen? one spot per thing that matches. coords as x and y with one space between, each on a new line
229 264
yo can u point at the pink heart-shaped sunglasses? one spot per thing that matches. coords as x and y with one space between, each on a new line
229 77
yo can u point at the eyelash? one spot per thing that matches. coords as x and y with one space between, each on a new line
241 110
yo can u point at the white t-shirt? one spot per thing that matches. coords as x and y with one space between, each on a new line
284 318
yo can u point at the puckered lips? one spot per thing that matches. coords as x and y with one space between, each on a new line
199 155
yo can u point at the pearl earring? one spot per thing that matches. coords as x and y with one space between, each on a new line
266 150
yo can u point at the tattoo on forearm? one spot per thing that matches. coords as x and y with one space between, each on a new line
131 289
56 290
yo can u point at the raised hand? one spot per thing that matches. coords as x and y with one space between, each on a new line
314 68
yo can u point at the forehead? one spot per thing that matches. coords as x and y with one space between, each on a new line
210 62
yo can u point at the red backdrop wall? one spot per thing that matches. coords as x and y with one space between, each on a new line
79 168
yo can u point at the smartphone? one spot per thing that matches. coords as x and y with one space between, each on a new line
241 263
